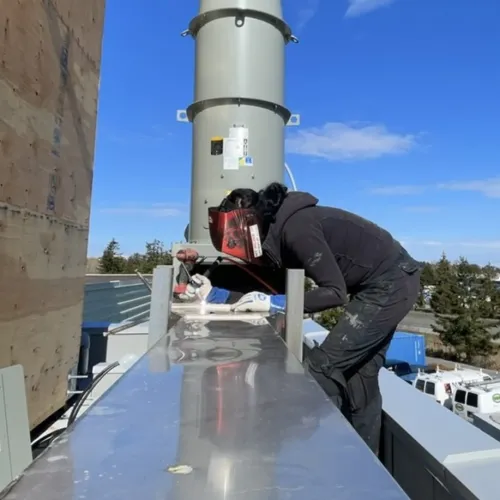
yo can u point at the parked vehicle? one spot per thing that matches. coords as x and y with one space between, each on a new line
477 397
442 385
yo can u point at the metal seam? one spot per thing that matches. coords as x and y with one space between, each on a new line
199 106
201 20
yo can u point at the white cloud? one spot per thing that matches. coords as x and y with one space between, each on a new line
481 244
432 243
359 7
425 243
422 209
398 190
477 251
340 141
478 244
154 210
307 13
487 187
153 134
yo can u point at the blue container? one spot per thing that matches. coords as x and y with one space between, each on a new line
408 347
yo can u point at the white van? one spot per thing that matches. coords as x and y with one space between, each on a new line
478 397
442 385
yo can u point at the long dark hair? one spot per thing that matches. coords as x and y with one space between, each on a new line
266 202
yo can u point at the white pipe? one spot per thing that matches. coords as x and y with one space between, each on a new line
248 317
194 307
292 179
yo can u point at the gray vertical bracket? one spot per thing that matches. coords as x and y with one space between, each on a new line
161 303
182 116
294 120
294 314
15 442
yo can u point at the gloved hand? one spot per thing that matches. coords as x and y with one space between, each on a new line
259 302
200 289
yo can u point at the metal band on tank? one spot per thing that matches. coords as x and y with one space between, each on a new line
198 107
240 14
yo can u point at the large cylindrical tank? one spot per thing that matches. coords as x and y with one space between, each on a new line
239 112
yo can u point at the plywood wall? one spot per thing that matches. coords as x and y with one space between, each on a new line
50 55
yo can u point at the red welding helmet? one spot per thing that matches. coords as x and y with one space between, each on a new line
236 231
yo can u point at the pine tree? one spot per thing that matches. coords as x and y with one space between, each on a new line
489 292
308 285
467 282
329 318
467 334
427 279
428 276
465 331
134 263
444 296
155 255
111 262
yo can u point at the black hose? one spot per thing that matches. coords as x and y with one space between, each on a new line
84 395
214 264
47 437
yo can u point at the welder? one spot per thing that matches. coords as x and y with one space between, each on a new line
353 262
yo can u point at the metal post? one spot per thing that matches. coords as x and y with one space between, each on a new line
294 311
161 303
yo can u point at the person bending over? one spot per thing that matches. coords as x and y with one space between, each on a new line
353 262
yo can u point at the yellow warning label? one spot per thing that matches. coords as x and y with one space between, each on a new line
216 146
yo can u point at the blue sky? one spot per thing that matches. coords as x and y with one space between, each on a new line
399 106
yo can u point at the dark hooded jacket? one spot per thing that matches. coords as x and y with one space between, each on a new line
340 251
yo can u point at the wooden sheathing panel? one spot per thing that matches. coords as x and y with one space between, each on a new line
40 314
49 79
85 20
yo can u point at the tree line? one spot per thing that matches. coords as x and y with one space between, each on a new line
113 262
464 297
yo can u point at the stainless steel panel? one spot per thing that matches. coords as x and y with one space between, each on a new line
211 412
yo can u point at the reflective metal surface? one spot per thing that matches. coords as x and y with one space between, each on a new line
215 411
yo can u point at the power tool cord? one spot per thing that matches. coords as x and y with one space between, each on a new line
85 394
47 439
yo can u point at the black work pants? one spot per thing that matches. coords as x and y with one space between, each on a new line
357 345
